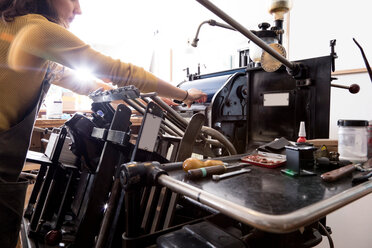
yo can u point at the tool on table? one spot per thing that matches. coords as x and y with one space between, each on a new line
194 163
344 171
230 174
361 178
212 170
265 159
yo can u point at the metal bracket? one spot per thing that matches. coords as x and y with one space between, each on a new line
118 137
134 175
99 133
148 133
192 132
334 56
303 83
123 93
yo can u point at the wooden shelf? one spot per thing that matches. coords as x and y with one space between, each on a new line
350 71
49 123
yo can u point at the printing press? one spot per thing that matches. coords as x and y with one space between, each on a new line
102 184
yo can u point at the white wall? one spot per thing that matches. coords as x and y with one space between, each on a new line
313 24
135 30
351 106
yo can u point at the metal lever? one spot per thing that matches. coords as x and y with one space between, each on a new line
365 59
353 89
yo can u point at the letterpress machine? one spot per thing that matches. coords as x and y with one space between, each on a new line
102 186
78 198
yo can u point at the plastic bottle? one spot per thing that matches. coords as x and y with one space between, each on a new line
302 133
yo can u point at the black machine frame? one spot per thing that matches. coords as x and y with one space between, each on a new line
238 109
308 100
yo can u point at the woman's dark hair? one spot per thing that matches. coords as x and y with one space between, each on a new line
9 9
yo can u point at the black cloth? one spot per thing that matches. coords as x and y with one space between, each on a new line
14 144
276 146
12 198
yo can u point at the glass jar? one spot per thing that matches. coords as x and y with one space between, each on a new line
352 140
266 35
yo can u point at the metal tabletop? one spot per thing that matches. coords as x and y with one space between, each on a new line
266 198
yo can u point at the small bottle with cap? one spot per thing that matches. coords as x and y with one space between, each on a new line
302 133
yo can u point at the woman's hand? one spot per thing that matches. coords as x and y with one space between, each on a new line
195 95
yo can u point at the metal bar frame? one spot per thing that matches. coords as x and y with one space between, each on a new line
271 223
213 8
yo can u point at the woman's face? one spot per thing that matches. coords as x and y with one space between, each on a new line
67 9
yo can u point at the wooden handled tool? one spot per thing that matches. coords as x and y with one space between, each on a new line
206 171
212 170
194 163
335 175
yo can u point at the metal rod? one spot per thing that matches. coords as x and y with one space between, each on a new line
28 175
230 174
109 214
139 103
365 59
177 127
213 8
135 106
178 131
171 118
142 111
175 121
206 130
212 23
340 86
170 110
222 25
217 135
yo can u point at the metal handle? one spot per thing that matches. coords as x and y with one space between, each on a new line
353 89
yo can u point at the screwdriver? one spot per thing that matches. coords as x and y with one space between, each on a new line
194 163
212 170
230 174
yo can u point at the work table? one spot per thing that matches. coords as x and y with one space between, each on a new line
266 198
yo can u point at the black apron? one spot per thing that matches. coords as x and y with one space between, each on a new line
14 144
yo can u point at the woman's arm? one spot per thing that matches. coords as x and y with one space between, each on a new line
48 41
69 80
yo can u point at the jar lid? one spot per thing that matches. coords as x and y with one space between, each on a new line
352 123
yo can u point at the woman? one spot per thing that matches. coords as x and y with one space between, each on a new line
34 41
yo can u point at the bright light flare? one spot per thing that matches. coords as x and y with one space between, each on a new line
84 74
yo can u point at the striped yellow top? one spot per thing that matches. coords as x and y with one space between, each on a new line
28 44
